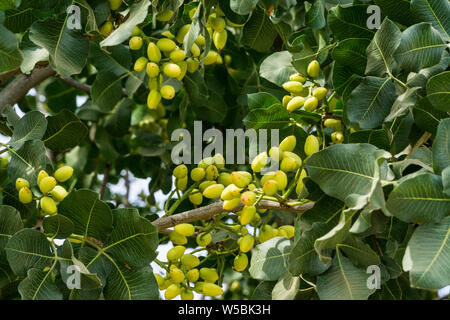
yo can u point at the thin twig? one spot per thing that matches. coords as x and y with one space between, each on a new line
126 199
105 179
76 84
419 143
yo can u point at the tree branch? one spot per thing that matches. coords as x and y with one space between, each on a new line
105 180
209 211
78 85
19 87
5 76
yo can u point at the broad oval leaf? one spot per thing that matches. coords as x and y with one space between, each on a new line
277 67
91 216
134 239
441 147
304 258
10 223
64 131
349 22
350 173
380 53
421 47
270 259
136 15
27 161
38 285
419 199
427 256
435 11
58 226
68 48
10 55
259 32
30 127
371 102
343 281
28 249
438 91
131 284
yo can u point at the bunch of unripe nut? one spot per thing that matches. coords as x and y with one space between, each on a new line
182 275
240 191
307 94
167 57
50 192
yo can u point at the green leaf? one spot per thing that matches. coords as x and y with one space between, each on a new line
441 147
438 91
58 226
350 173
10 223
286 288
349 22
106 90
371 102
68 48
274 117
303 258
118 123
38 285
116 60
136 15
134 239
351 53
61 96
11 198
398 11
434 11
343 281
263 290
315 15
10 56
243 7
427 256
334 237
326 210
379 138
419 199
270 259
401 106
277 67
421 47
380 53
259 32
369 222
30 127
32 54
359 253
131 284
28 249
91 216
426 116
27 161
64 131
